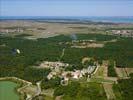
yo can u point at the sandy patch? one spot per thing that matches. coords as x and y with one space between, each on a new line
129 70
89 45
123 72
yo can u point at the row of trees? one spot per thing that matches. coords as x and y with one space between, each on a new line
111 69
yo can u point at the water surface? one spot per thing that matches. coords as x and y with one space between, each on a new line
7 91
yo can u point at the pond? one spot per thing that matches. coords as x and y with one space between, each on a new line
7 91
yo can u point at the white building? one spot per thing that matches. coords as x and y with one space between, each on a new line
51 75
77 74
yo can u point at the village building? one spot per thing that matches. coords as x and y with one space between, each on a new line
125 33
6 30
53 65
51 75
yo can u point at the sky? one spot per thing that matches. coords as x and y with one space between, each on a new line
66 7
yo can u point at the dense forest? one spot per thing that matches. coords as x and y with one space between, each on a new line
33 51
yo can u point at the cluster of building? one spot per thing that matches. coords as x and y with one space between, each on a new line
76 74
56 66
58 69
6 30
125 33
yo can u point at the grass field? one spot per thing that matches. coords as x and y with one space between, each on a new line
100 72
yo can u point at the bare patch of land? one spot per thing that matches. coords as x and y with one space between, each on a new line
89 45
109 91
123 72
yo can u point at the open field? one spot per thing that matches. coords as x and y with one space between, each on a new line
129 70
100 72
124 72
42 29
121 72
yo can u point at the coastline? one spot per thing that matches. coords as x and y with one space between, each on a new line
73 19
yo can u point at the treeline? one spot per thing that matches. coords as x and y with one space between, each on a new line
111 69
123 28
23 35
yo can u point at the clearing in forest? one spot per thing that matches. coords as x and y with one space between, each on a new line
123 72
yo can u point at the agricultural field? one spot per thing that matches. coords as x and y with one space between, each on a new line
39 29
124 72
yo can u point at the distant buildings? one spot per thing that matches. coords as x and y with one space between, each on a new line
53 65
6 30
125 33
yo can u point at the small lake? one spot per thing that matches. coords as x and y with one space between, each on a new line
7 90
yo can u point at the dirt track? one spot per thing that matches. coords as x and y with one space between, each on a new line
109 91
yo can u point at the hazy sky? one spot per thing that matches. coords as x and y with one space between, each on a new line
66 7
